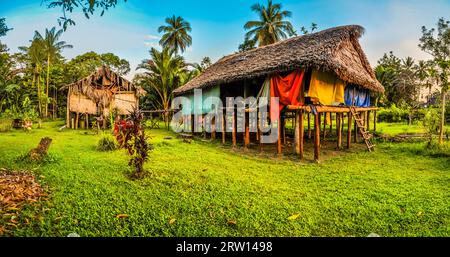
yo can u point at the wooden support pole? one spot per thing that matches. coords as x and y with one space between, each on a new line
331 123
309 126
368 121
339 130
192 124
87 120
375 121
317 137
302 132
355 128
349 130
283 129
213 128
77 120
324 125
68 116
72 123
204 122
247 133
297 133
260 139
223 129
279 149
234 130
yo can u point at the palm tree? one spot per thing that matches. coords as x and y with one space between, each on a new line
271 26
52 49
421 70
176 34
36 56
164 73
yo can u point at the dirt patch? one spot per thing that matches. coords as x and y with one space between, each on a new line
17 189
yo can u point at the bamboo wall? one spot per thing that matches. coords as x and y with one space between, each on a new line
81 104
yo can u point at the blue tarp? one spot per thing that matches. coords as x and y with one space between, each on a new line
356 96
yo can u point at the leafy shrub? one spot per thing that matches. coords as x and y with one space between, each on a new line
130 134
5 125
392 114
107 143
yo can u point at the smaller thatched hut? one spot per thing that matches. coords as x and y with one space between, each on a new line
100 94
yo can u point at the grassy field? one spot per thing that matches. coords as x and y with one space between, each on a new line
204 189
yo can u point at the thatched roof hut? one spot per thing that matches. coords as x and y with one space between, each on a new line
336 50
101 92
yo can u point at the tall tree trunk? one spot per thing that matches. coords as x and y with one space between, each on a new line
39 91
48 76
55 103
441 132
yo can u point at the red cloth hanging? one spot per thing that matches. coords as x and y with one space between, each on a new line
287 89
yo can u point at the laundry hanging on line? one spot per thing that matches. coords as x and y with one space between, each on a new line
356 96
326 89
288 90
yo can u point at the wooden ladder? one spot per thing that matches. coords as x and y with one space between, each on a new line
362 129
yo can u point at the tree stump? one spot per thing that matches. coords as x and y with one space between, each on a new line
41 150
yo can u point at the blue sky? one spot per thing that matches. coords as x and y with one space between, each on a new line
130 29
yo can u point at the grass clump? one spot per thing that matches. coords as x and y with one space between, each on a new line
107 143
5 125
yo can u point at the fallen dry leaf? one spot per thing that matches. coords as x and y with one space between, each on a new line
16 190
122 216
232 223
172 221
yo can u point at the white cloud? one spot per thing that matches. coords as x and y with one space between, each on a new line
151 44
152 37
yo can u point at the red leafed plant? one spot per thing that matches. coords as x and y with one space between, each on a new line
130 135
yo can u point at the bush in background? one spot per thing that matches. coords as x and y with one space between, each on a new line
107 143
392 114
5 125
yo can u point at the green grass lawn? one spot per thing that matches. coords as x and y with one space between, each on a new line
201 187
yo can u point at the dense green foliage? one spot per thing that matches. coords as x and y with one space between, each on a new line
346 195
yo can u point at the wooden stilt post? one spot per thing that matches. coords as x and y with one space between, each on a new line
283 129
223 129
331 123
302 133
349 130
234 129
339 130
260 136
192 124
309 126
204 122
297 132
213 128
317 137
368 121
375 121
247 132
324 125
87 120
355 128
279 150
76 120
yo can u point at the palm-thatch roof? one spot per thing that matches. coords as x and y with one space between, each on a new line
101 86
336 50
